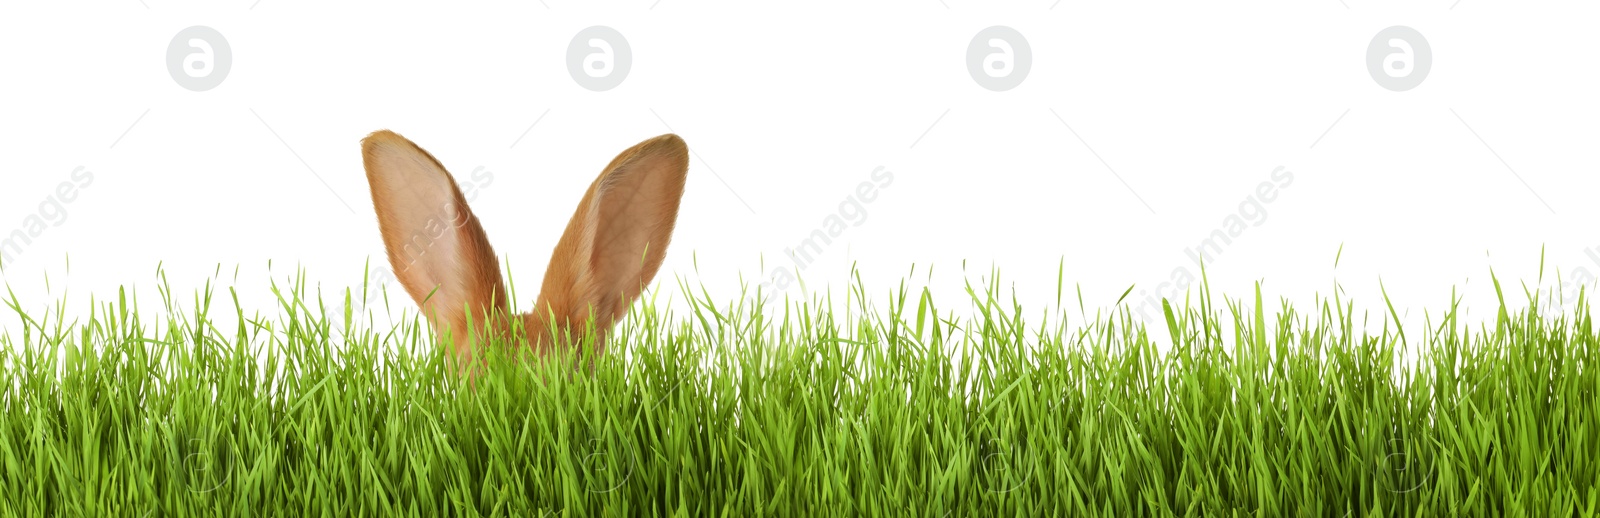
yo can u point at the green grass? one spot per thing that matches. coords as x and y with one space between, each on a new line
888 408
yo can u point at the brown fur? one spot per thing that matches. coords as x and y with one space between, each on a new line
612 248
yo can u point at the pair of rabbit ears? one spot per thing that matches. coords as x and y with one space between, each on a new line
611 250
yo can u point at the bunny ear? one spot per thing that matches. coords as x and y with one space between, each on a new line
437 249
618 237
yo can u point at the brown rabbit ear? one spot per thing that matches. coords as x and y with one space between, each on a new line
618 237
434 242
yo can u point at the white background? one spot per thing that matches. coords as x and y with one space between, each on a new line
1139 129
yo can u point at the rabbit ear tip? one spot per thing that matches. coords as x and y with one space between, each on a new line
668 140
382 137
